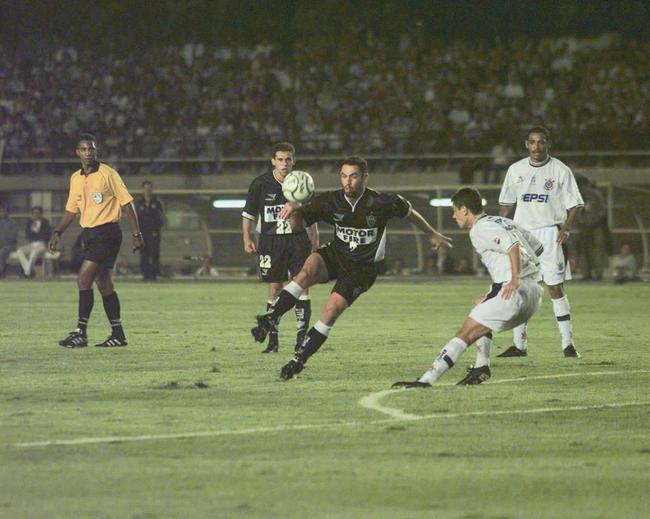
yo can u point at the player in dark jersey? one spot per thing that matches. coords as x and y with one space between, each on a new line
283 242
359 216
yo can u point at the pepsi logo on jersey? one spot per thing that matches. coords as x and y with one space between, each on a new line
534 197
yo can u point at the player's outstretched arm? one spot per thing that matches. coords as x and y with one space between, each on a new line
289 209
67 218
436 239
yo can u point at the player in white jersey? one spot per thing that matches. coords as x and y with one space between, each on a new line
548 201
510 255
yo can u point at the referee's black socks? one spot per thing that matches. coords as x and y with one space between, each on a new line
86 301
112 308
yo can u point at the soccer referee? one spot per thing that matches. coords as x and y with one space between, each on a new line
98 193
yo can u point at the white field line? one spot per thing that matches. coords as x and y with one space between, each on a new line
372 400
399 416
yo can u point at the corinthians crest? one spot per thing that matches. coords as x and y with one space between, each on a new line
371 220
548 184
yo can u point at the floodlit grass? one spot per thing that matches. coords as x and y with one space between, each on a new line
306 448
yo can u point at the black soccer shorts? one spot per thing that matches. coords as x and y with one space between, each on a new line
282 255
352 279
102 244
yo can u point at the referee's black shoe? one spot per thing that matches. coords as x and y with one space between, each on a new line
75 339
412 384
513 351
112 342
475 376
264 326
291 369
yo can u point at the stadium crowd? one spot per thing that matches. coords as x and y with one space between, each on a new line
198 100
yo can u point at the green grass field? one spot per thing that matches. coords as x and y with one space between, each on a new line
190 420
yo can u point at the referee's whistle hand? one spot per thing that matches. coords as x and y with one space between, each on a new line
54 241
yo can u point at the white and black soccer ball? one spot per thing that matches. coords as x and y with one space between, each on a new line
298 186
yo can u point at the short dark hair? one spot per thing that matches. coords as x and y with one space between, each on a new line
355 160
468 197
86 137
147 182
539 129
283 146
39 207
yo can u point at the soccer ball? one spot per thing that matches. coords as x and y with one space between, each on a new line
298 186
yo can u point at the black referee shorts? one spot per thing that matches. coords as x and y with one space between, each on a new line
282 255
101 244
352 279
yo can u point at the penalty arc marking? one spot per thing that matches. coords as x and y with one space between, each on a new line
372 401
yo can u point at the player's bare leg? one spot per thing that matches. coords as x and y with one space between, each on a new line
316 336
313 271
469 332
274 336
104 282
87 274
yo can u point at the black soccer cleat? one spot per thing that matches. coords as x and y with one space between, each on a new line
291 369
570 351
264 326
112 342
475 376
513 351
412 384
75 339
272 347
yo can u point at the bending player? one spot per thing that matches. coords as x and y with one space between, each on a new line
510 255
359 216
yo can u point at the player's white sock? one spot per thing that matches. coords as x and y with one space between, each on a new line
294 289
520 337
447 358
321 327
562 311
483 351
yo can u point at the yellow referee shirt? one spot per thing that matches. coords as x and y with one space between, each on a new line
98 196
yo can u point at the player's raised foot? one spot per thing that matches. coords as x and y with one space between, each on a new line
291 369
112 342
410 384
475 376
264 326
570 351
513 351
75 339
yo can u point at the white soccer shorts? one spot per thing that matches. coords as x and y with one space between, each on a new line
553 265
500 314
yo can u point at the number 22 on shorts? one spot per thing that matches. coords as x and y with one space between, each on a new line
265 261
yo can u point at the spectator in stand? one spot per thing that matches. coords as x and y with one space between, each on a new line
151 216
37 234
8 237
624 266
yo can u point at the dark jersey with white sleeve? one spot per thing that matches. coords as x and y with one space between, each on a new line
263 203
360 226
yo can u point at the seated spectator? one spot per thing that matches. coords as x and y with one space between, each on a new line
8 237
624 266
37 234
